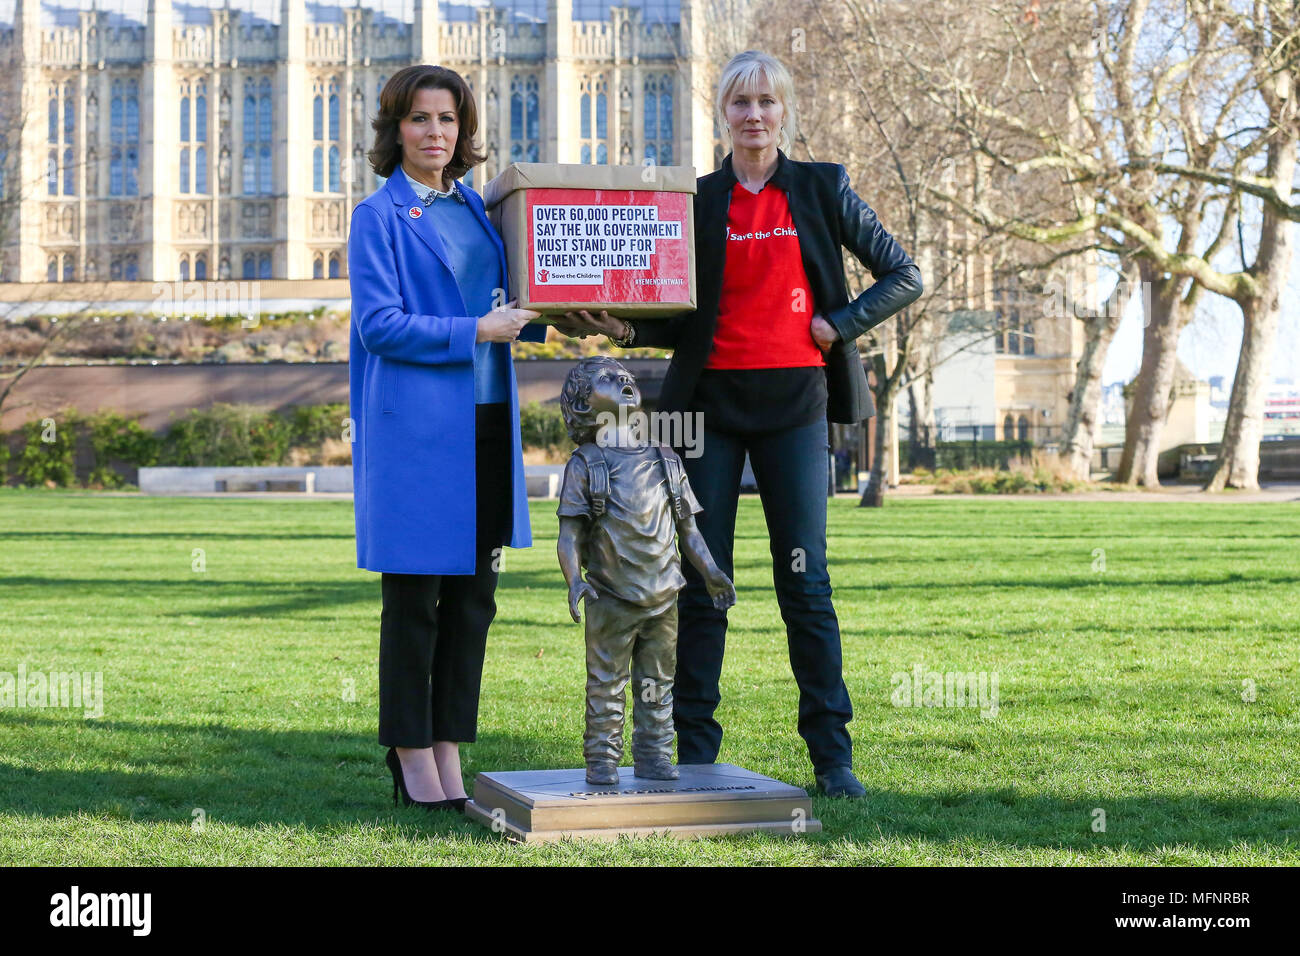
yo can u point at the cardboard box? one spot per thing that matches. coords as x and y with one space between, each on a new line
620 238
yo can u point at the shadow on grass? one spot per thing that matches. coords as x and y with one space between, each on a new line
324 780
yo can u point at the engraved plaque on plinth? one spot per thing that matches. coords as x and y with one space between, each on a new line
708 800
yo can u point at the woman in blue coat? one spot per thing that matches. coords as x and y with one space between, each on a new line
437 465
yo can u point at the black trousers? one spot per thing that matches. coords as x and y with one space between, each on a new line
433 629
791 470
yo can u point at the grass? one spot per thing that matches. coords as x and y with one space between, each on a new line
1120 689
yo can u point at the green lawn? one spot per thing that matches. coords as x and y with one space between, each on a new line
224 689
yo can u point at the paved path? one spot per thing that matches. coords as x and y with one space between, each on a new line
1179 493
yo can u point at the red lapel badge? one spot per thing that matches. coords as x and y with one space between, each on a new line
415 212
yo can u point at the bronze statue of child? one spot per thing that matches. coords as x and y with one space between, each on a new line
623 505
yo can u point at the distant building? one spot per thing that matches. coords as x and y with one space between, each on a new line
1282 408
1189 415
180 141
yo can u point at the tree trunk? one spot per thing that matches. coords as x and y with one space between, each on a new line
1146 417
1079 436
1238 462
873 495
920 428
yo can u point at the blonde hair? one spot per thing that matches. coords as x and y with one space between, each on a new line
743 71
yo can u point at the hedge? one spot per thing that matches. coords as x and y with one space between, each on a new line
112 445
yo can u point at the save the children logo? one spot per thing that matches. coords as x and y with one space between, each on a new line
542 275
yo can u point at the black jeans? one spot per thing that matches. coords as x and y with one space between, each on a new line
790 468
433 629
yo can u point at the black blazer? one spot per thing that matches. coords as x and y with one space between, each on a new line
827 214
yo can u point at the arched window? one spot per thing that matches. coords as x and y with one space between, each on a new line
1023 427
250 266
53 136
201 114
318 268
201 170
257 137
264 170
586 152
200 266
1008 428
334 113
264 110
69 174
185 169
124 136
69 267
185 119
185 268
334 265
318 117
317 170
250 171
584 113
524 120
264 265
52 269
658 113
335 185
52 172
116 122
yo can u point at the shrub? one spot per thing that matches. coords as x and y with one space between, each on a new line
1039 472
226 434
117 440
962 455
542 426
4 458
49 454
312 425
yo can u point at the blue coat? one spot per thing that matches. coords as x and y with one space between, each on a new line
411 378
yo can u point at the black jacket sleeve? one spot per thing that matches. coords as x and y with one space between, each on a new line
898 280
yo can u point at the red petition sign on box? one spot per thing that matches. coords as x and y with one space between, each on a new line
597 237
608 245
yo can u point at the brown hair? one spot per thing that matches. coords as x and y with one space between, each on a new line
395 102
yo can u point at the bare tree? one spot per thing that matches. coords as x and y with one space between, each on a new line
1270 31
1163 80
16 187
857 108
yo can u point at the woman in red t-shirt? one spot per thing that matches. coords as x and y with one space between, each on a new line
767 357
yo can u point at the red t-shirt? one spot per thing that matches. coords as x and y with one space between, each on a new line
766 306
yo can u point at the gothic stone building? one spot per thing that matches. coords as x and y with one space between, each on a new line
182 141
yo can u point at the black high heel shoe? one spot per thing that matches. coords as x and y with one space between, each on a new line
399 787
